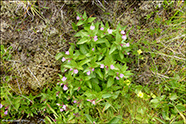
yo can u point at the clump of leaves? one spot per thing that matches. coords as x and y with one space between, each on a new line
95 66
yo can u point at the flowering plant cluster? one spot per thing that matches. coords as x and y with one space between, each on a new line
95 65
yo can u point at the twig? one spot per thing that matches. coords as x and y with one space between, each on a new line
180 36
169 56
159 74
27 98
19 86
34 76
11 102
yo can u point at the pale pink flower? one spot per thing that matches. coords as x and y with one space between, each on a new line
71 69
63 59
128 53
121 75
69 60
123 32
117 78
1 105
127 44
64 79
65 87
102 66
78 89
75 71
92 49
102 28
89 100
92 69
93 102
75 101
61 84
88 73
95 38
64 107
109 31
92 27
111 67
6 112
57 104
61 110
67 52
124 37
77 17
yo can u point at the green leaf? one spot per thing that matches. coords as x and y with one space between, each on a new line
115 95
71 49
96 87
121 55
68 66
83 40
95 80
17 104
107 95
101 40
100 57
107 105
80 57
83 49
163 122
108 60
89 118
52 110
110 82
115 120
74 26
84 15
107 44
155 101
89 84
118 26
112 49
84 33
58 56
80 22
91 19
118 37
98 71
84 62
180 108
173 96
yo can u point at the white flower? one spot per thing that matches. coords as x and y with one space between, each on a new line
140 94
